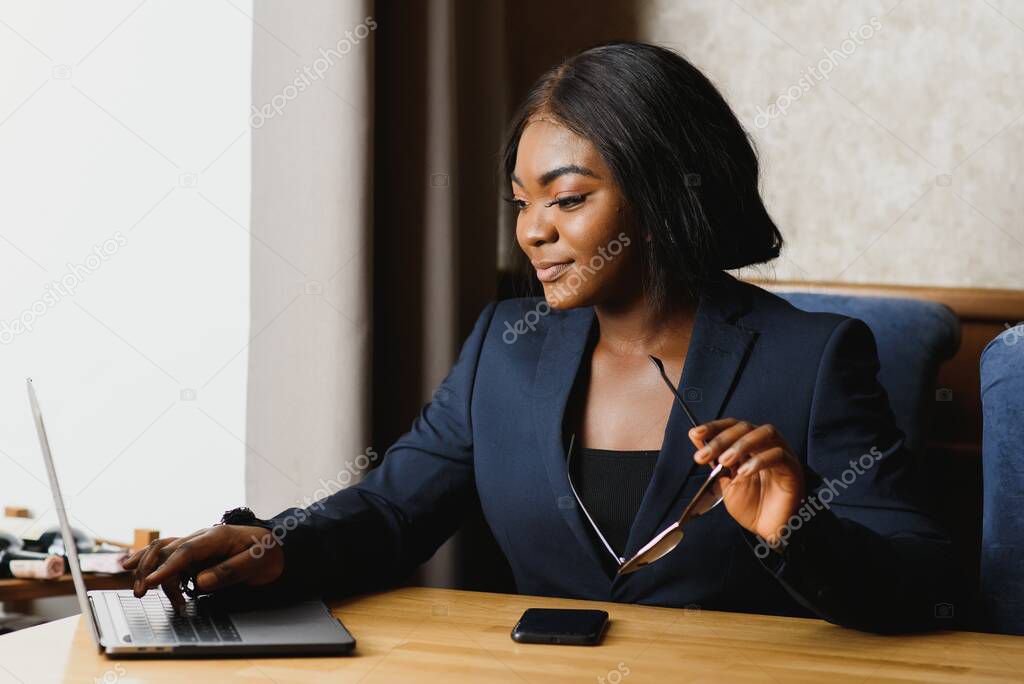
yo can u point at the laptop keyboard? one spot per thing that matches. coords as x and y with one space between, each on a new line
152 619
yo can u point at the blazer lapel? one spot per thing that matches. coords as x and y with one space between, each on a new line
718 349
559 364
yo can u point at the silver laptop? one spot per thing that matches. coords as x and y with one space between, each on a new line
123 625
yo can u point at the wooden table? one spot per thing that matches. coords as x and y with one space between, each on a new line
437 635
28 589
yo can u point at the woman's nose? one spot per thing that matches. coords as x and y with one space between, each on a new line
540 229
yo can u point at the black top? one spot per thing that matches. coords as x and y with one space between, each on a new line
611 485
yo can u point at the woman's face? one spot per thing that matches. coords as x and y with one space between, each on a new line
572 219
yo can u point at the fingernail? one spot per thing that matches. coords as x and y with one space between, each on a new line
701 454
699 430
744 469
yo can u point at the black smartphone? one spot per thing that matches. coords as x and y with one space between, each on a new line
560 626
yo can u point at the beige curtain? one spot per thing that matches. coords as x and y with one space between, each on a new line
374 235
311 250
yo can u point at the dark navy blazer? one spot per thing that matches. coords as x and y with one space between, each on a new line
867 554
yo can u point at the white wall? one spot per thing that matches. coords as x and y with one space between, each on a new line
123 125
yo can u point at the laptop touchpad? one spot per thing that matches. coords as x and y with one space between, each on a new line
307 622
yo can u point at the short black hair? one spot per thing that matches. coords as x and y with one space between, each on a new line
686 167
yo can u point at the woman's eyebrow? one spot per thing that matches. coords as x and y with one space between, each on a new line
551 175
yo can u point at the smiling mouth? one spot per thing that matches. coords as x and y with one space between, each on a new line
551 273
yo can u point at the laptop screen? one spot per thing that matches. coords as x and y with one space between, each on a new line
65 527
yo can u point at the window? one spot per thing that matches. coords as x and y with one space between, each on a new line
124 258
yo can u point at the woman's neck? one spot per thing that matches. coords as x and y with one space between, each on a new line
633 327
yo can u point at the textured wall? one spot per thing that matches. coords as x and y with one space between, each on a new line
902 164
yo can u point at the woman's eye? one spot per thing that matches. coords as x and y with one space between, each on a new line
516 203
568 202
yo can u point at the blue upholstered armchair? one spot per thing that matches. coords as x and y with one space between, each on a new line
1002 536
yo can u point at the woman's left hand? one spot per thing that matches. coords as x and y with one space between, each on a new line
766 485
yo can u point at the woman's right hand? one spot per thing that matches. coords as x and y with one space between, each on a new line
219 556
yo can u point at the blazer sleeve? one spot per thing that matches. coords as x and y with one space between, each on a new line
376 532
863 550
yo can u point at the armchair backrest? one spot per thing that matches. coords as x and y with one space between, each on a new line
1002 530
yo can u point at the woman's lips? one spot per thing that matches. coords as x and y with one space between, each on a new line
547 275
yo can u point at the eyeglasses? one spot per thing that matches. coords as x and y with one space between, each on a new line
707 497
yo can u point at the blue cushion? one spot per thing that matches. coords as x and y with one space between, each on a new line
1002 534
913 338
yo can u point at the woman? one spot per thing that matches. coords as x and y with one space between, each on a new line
635 187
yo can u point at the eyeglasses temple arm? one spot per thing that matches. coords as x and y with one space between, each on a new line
664 376
718 471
